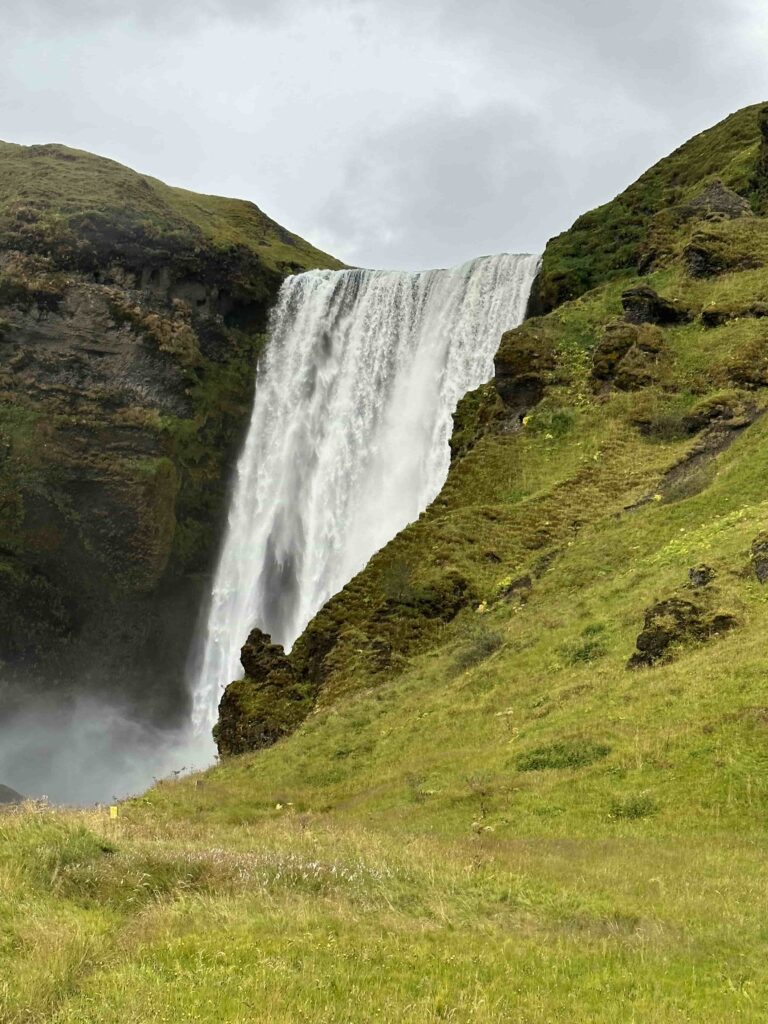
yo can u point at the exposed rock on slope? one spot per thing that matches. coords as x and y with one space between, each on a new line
131 314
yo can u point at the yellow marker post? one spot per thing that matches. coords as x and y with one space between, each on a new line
113 812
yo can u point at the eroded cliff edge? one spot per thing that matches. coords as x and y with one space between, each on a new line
131 315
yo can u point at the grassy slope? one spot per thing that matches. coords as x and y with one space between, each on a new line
611 240
511 826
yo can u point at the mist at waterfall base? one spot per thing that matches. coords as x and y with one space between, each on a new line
86 751
348 442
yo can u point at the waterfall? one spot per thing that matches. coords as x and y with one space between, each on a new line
348 439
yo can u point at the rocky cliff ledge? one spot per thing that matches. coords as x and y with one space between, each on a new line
131 314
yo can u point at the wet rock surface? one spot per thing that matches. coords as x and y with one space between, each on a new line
260 657
268 703
128 340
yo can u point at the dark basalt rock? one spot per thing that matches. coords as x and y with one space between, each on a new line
759 556
674 621
268 703
642 305
717 202
710 253
723 413
701 575
618 338
716 316
524 365
259 656
10 796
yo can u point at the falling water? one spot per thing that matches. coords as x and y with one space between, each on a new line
348 439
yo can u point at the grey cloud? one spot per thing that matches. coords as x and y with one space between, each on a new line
597 91
74 14
149 15
445 187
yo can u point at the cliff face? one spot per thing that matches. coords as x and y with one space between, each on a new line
609 417
131 315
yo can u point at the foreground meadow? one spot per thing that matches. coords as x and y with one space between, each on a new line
302 916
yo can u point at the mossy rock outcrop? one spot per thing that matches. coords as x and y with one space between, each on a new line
268 703
673 622
615 239
131 317
627 354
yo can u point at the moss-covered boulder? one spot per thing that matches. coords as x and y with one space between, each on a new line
524 363
267 703
627 354
673 622
643 305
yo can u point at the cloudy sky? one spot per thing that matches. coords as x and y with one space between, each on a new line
393 133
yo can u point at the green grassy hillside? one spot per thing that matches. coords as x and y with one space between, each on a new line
532 781
614 239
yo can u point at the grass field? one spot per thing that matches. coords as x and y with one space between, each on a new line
308 917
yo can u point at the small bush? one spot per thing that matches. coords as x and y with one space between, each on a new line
551 423
641 805
562 754
481 644
588 648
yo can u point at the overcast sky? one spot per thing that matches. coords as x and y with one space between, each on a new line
393 133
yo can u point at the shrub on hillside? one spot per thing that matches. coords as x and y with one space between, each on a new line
562 754
632 808
481 643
